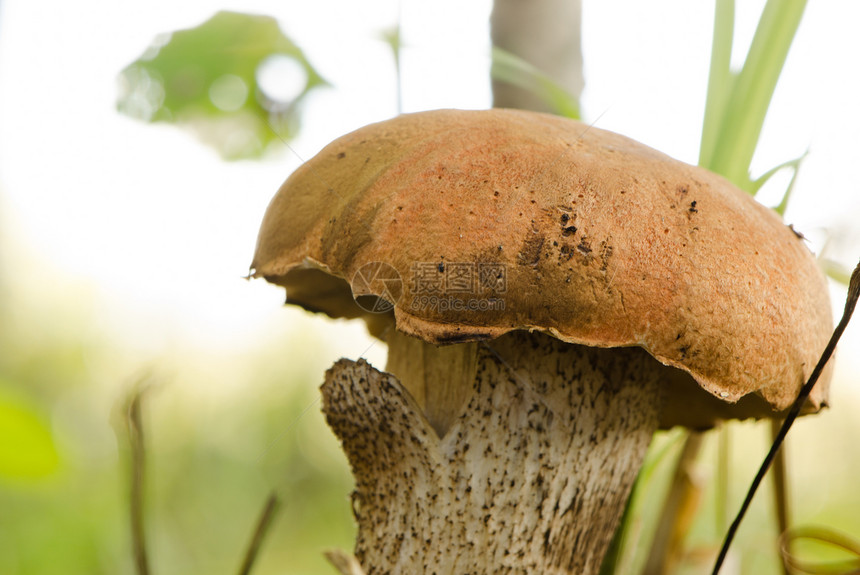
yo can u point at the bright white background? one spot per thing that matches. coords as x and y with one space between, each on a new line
148 233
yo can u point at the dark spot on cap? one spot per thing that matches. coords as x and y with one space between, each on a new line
566 253
530 250
693 209
605 255
568 231
341 155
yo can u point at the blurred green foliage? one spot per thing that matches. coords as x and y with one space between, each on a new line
208 79
27 448
211 462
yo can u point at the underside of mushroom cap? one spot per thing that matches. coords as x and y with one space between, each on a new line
476 223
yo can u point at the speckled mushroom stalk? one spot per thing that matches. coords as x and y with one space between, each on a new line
638 291
529 475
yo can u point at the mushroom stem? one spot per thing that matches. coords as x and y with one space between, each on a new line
531 476
439 378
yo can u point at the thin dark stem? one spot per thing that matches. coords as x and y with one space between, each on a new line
134 422
850 303
263 524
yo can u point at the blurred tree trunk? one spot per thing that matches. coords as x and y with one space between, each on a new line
548 35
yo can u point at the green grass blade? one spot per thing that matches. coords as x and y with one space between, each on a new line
780 209
793 165
510 68
620 548
747 107
616 547
678 509
720 78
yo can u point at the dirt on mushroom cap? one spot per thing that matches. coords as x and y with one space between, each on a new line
578 232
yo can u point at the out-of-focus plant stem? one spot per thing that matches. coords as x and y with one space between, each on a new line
134 426
678 511
780 484
263 524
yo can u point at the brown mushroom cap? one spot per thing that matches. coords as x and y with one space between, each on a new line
535 222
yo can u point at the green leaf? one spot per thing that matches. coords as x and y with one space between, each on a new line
207 79
27 448
512 69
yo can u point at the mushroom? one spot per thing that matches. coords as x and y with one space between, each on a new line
551 294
